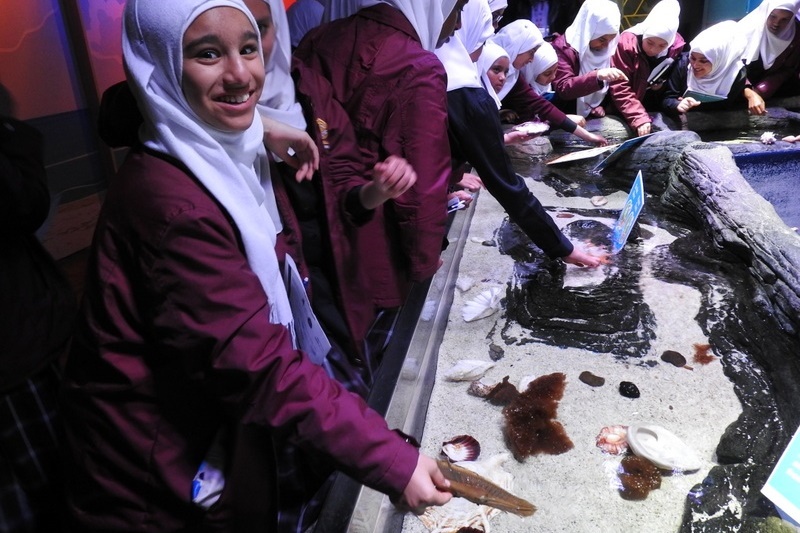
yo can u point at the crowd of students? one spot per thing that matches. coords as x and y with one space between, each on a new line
286 184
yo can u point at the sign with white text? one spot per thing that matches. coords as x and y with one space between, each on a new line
783 485
630 212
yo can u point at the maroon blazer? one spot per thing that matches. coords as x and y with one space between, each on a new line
628 96
569 84
783 71
173 343
394 92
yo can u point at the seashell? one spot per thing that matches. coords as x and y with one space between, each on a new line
483 305
790 138
467 370
612 439
533 127
480 389
662 448
462 448
599 201
464 283
768 137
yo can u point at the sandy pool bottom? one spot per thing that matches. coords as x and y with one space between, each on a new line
577 491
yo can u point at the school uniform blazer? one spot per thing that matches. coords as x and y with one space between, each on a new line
786 66
569 84
173 343
628 96
394 92
530 105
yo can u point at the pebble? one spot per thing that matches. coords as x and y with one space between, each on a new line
628 389
591 380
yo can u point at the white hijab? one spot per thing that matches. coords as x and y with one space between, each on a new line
516 38
232 165
426 16
595 18
497 5
662 22
760 41
476 24
278 99
725 50
544 58
454 54
491 52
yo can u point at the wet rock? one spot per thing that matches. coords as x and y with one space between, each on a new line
657 158
674 358
609 316
728 499
496 352
628 389
592 380
536 147
757 436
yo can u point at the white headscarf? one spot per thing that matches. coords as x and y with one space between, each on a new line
595 18
426 16
496 5
278 100
516 38
476 24
454 54
303 16
232 165
760 41
725 50
544 58
491 52
662 22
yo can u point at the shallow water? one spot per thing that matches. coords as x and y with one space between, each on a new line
616 322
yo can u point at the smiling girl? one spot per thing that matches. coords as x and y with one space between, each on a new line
185 327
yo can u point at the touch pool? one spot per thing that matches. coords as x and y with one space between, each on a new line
710 270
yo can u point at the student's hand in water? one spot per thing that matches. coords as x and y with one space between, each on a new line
427 487
686 104
644 129
611 74
582 259
580 120
390 178
597 112
292 145
755 104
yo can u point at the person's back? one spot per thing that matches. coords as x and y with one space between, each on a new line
394 92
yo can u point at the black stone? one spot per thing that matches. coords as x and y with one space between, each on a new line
496 352
674 358
628 389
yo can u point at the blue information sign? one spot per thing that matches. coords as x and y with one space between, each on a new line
630 212
783 485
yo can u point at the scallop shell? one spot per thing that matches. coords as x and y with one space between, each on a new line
462 448
485 304
599 201
612 439
467 370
